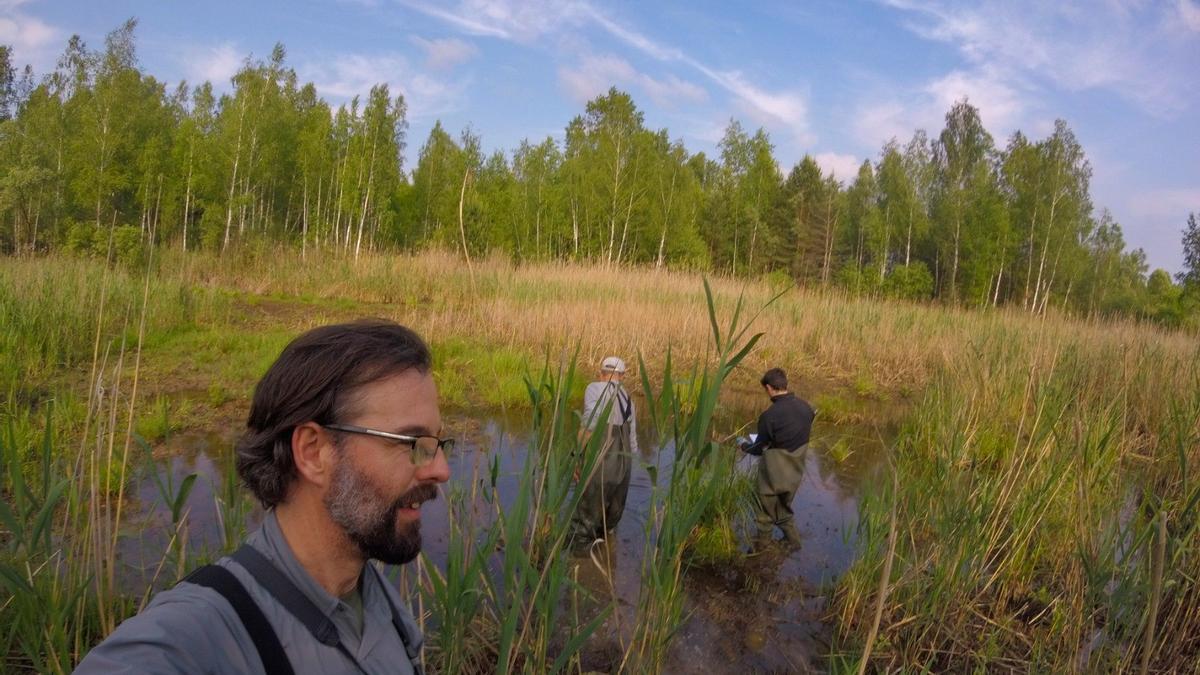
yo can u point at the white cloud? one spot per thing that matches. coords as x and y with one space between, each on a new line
999 104
770 108
525 22
889 112
1040 128
344 76
446 53
636 40
1130 48
596 73
707 129
32 39
216 64
783 108
593 77
26 32
844 167
672 90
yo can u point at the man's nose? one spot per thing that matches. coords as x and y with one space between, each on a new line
436 471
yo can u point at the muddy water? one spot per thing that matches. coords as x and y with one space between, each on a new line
763 614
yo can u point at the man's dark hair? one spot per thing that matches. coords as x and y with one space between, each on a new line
313 380
776 378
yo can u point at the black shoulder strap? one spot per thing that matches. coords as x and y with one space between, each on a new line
285 593
221 580
409 648
298 604
626 403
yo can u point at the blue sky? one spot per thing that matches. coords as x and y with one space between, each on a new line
832 79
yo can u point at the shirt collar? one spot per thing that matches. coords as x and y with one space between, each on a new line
270 540
377 613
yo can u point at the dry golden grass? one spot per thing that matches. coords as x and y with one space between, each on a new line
877 347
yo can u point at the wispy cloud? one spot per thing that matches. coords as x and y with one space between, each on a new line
998 100
1130 48
526 22
446 53
878 121
637 40
772 108
516 21
1171 206
597 72
885 115
344 76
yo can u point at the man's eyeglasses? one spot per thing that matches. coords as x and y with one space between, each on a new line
423 448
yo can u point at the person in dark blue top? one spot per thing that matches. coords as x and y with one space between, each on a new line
782 443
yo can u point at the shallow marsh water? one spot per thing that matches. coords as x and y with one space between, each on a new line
761 614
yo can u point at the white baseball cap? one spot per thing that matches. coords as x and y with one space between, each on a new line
612 364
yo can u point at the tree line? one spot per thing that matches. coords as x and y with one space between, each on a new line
98 151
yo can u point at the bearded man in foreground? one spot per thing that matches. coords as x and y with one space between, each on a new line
342 447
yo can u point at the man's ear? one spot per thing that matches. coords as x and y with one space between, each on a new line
312 452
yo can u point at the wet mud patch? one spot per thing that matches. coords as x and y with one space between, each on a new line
751 617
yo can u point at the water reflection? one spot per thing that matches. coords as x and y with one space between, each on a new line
761 615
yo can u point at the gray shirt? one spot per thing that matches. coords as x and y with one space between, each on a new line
192 629
597 396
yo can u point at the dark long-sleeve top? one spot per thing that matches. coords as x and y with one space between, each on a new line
787 424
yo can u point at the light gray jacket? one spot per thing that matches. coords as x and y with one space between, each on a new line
192 629
597 396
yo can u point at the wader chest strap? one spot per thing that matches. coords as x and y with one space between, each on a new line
221 580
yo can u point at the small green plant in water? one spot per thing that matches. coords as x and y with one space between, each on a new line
697 476
175 498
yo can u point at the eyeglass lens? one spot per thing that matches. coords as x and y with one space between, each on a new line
425 448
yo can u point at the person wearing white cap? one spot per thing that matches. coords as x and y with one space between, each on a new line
604 491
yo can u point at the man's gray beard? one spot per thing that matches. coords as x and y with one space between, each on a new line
369 520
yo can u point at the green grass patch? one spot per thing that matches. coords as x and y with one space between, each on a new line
469 374
837 409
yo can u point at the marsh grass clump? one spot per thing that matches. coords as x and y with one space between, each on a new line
1037 487
718 537
52 611
501 605
698 474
